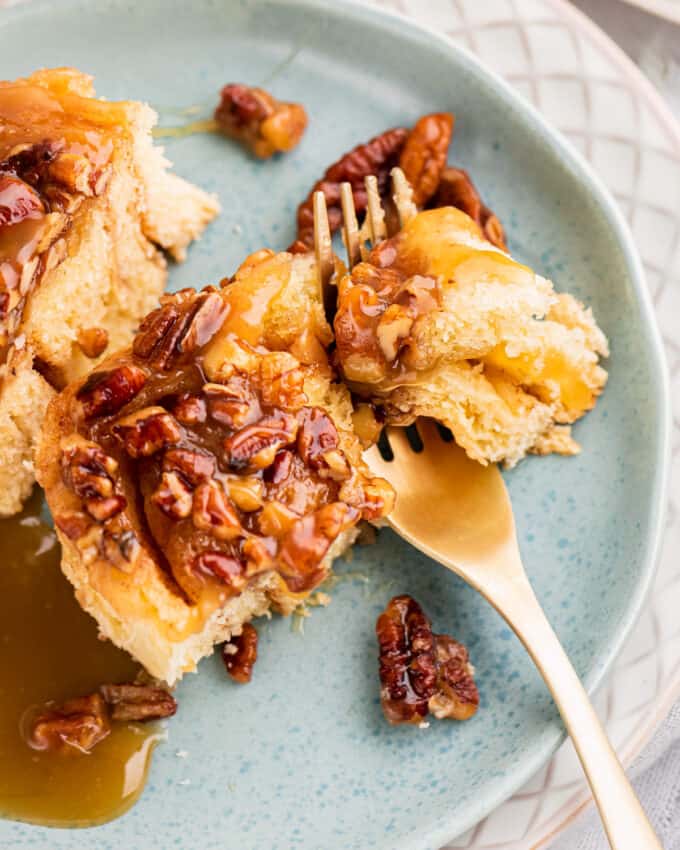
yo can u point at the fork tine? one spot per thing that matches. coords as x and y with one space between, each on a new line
402 193
350 227
322 241
375 214
429 433
398 441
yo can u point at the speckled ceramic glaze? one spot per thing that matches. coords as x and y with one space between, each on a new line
301 758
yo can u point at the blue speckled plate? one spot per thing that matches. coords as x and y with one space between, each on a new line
302 758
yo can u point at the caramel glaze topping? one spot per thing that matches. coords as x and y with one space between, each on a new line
225 478
55 150
378 308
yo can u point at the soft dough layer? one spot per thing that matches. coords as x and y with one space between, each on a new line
211 470
86 205
438 322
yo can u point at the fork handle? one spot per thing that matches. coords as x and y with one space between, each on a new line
623 817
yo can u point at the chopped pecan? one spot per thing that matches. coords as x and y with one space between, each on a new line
456 695
224 567
32 162
424 155
93 341
317 435
104 393
456 189
88 470
231 404
18 201
263 124
76 725
173 496
275 519
103 509
74 524
213 512
120 547
256 445
408 672
240 654
282 381
193 466
246 492
131 702
147 431
190 409
421 672
376 157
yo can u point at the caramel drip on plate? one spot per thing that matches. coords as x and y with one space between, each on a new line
49 650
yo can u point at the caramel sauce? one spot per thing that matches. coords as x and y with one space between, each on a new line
190 129
49 650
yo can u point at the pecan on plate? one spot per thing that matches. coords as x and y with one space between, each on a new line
240 654
262 123
423 157
456 695
378 157
421 672
456 189
76 725
138 702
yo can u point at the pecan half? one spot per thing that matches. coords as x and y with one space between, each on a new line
456 695
424 155
262 123
104 393
421 672
76 725
240 654
456 189
147 431
129 702
256 445
183 323
378 157
408 674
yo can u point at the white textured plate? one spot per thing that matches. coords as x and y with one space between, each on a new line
586 86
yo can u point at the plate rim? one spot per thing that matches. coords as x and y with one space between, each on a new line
406 27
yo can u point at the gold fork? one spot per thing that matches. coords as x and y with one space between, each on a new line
459 513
